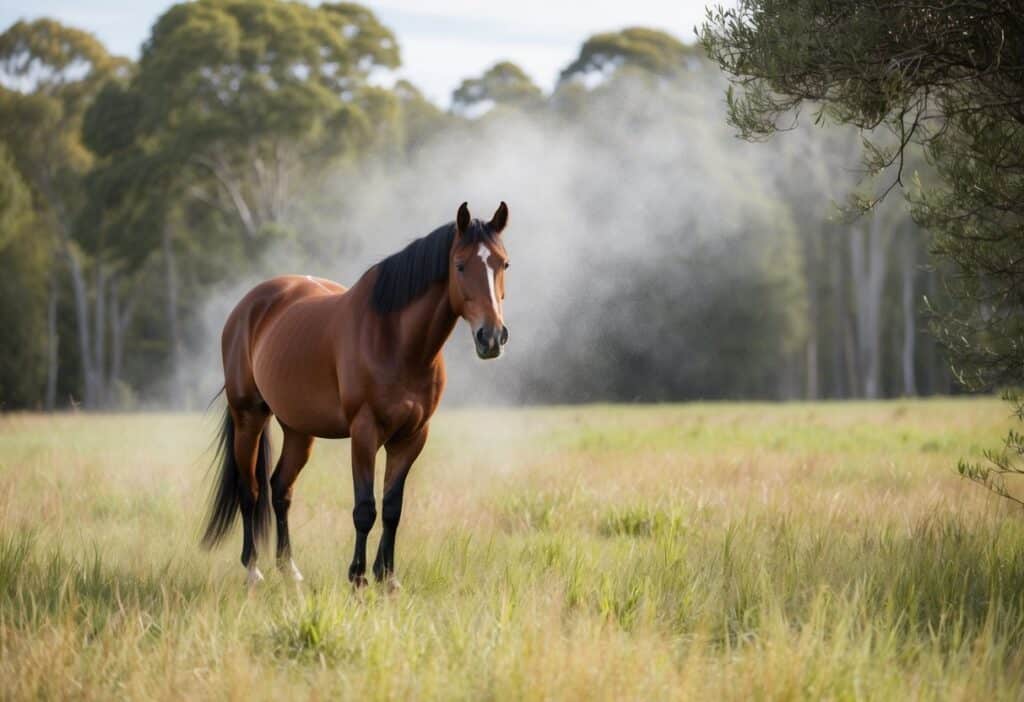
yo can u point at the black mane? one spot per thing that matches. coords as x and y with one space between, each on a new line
404 276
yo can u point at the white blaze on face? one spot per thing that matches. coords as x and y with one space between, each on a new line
484 253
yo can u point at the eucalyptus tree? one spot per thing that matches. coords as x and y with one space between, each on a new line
256 97
421 119
947 76
504 84
23 290
651 50
130 191
50 74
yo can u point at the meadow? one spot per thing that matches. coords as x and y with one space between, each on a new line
699 551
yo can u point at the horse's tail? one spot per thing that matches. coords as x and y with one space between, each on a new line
225 497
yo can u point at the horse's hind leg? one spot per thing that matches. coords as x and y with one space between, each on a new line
251 456
294 455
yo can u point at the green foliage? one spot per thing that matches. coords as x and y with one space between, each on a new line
112 121
60 70
1002 470
23 258
52 58
15 201
155 184
944 76
254 97
504 84
421 119
651 50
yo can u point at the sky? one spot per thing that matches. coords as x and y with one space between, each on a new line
443 41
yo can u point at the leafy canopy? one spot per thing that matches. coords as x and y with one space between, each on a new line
239 70
648 49
504 83
948 76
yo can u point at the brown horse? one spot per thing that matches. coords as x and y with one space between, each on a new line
364 363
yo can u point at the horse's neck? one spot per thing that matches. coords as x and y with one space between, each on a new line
423 327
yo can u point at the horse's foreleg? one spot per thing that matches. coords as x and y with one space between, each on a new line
401 455
365 443
294 455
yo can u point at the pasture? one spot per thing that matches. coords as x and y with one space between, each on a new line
701 551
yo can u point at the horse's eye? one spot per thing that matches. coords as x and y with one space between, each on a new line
507 265
460 267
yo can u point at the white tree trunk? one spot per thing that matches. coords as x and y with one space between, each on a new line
99 335
52 339
868 269
78 287
176 395
909 269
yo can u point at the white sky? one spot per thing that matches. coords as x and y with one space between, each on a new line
443 41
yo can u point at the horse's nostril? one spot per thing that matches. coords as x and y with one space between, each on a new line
504 335
480 337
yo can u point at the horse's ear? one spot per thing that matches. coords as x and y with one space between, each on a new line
500 218
462 219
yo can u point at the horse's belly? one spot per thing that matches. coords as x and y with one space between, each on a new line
297 381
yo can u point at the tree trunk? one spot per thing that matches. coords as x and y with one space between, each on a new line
52 339
99 336
876 283
116 348
909 269
176 395
811 387
839 316
78 286
854 373
869 278
120 320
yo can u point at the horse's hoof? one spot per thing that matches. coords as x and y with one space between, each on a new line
359 582
392 585
290 570
254 576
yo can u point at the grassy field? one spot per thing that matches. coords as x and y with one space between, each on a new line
706 551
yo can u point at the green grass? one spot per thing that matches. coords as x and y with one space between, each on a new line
707 551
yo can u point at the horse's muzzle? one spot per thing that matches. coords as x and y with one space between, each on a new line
489 341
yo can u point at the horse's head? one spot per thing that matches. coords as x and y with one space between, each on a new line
476 278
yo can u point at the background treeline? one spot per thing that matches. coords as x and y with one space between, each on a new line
656 257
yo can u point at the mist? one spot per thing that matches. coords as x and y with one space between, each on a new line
653 253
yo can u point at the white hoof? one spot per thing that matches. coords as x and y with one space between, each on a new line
254 577
290 569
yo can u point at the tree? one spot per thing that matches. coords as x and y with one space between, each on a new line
129 191
56 71
503 84
421 119
651 50
640 55
947 76
252 97
23 289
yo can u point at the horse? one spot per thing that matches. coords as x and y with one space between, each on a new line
364 363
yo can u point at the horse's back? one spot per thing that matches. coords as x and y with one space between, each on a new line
252 322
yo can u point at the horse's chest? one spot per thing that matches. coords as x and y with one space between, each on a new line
407 406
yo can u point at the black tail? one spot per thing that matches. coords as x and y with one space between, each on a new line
225 498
